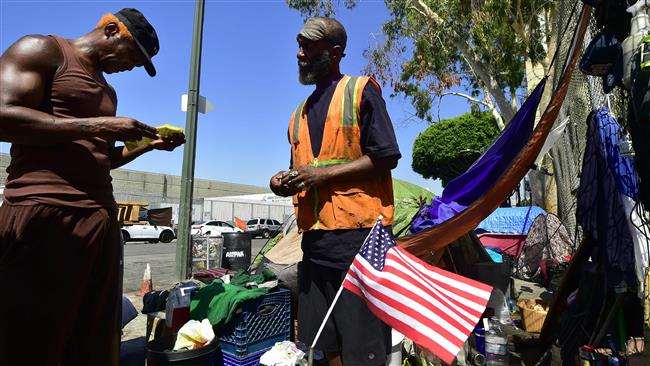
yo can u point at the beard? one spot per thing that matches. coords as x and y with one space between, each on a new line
310 73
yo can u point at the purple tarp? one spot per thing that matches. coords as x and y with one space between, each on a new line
481 176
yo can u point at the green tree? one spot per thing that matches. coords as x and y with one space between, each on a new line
430 46
447 149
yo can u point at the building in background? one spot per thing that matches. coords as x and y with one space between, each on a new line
163 190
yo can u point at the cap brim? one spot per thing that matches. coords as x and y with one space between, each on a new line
148 65
310 37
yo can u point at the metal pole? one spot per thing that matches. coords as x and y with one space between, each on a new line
183 247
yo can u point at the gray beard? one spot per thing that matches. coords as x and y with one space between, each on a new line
311 73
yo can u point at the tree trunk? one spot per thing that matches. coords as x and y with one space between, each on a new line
481 73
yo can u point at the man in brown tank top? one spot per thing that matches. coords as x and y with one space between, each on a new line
59 237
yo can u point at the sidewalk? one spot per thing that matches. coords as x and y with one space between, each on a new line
132 348
132 351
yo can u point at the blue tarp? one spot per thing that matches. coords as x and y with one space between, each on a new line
511 220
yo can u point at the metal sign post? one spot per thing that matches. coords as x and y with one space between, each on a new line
183 247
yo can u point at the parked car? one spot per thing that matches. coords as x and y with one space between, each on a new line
147 232
263 227
214 228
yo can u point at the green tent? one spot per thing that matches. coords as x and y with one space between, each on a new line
408 200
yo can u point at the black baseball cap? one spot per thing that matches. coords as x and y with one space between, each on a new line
317 28
604 57
143 34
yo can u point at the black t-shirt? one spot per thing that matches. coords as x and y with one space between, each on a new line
337 248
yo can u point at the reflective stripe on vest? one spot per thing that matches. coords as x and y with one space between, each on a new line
349 109
320 208
296 121
320 163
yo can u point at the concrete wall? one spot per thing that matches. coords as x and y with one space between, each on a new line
168 187
160 189
216 209
4 163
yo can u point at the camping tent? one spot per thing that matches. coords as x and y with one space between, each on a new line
408 200
507 227
548 240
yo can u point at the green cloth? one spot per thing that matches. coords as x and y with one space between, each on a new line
408 198
242 277
219 302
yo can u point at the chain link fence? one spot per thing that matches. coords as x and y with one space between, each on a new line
585 95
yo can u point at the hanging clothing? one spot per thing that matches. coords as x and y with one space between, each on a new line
606 183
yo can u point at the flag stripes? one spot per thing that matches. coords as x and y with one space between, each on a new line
434 308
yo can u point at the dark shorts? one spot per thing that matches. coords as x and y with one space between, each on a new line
59 281
352 329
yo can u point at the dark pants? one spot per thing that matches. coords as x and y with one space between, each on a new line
59 283
351 329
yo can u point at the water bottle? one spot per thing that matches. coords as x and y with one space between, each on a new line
614 359
496 344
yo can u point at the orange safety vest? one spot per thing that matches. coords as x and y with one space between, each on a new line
350 204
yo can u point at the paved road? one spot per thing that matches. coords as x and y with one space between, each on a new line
162 260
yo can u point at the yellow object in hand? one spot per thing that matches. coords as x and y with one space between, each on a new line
165 130
168 130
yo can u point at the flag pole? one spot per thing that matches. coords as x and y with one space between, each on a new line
310 358
322 325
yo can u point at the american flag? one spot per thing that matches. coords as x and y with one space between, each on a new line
436 309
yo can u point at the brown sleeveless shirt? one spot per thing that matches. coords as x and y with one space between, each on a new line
73 174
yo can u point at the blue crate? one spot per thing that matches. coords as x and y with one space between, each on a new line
262 322
251 360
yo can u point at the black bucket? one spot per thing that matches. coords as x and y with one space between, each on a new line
494 274
236 253
159 353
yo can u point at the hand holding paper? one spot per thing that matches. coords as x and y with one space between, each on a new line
170 137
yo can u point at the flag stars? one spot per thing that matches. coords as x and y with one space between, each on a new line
373 255
376 247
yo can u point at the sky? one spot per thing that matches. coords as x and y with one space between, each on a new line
248 71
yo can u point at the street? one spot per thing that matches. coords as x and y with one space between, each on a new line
161 258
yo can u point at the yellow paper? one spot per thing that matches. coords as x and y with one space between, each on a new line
165 130
168 130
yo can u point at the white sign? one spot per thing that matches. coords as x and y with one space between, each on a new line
205 106
237 254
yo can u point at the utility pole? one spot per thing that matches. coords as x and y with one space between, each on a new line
183 245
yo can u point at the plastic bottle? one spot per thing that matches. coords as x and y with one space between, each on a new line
639 28
587 356
614 359
504 315
496 344
645 53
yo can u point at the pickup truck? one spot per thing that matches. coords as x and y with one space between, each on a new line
147 232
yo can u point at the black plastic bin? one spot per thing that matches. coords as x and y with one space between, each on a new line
159 353
494 274
236 253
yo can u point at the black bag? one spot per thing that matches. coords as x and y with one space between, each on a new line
154 301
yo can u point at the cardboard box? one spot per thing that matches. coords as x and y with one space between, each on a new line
533 313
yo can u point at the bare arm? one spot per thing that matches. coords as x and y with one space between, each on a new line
27 69
361 168
120 155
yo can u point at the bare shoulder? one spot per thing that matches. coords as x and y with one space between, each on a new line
34 52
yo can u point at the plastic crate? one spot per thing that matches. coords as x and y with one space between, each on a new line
262 322
251 360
